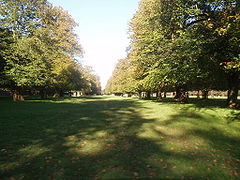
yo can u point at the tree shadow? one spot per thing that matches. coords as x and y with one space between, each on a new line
234 116
198 103
210 144
68 141
102 139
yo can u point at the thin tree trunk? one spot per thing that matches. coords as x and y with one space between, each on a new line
148 95
43 94
205 94
61 93
159 96
181 95
139 94
165 95
198 94
16 95
233 83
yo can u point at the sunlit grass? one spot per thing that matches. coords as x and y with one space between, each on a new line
113 137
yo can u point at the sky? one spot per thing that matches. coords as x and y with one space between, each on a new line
102 31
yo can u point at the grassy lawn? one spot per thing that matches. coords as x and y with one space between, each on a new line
113 137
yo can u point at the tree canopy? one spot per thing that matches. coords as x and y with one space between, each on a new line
184 45
39 48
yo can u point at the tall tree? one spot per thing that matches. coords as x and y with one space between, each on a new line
121 80
221 19
44 44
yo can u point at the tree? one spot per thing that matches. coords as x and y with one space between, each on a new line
220 19
5 42
21 18
186 44
92 84
121 80
158 36
44 44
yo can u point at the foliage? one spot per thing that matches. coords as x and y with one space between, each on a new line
121 80
43 49
190 44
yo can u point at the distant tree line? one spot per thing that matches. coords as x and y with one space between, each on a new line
38 51
182 45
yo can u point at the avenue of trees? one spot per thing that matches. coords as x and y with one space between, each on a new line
38 51
182 45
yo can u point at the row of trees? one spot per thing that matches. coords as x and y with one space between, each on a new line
38 50
180 45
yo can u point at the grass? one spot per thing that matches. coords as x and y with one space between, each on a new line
116 138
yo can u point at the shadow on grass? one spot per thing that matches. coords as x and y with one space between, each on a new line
198 103
98 138
210 144
70 141
234 116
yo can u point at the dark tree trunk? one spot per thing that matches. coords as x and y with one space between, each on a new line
17 95
61 93
233 83
70 94
205 94
198 94
43 94
164 94
139 94
159 96
148 95
181 95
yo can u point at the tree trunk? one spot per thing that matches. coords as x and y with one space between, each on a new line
159 96
61 93
173 94
16 95
181 95
165 95
233 83
43 94
198 94
139 94
205 94
148 95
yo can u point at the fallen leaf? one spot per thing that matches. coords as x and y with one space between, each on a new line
148 166
164 167
135 174
153 174
104 170
3 150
